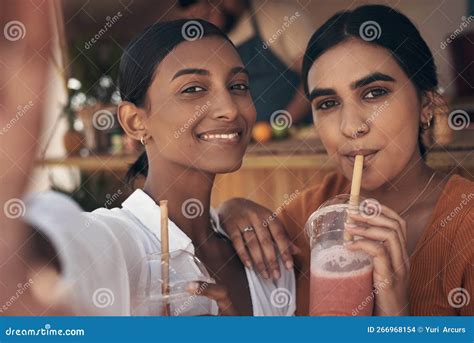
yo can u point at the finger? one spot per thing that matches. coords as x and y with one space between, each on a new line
256 252
382 266
283 243
382 221
239 246
266 245
215 292
395 216
389 238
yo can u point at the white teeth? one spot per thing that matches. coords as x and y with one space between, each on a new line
219 136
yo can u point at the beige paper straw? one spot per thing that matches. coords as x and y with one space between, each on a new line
165 256
355 189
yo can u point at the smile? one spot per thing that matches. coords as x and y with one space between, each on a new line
221 137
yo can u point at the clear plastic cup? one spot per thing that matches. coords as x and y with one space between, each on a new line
341 280
184 267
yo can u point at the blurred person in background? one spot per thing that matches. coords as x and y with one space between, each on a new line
270 37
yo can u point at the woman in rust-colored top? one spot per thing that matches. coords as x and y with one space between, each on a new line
372 84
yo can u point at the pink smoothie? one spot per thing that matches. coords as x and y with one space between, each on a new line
343 293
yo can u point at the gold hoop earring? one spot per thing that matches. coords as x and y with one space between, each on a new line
426 126
143 140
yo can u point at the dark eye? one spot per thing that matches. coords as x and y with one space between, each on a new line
240 86
193 89
325 105
375 93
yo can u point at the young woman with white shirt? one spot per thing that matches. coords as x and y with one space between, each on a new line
185 96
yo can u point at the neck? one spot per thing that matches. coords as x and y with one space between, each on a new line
188 192
405 187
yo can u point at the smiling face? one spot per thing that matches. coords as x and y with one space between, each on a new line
199 109
364 103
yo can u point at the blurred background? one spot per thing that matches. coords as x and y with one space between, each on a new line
85 154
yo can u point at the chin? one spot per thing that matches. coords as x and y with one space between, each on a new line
229 167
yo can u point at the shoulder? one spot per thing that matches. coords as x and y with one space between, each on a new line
456 203
454 217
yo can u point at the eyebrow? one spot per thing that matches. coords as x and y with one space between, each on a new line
371 78
197 71
237 70
190 71
357 84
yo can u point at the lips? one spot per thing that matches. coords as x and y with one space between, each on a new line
368 154
221 136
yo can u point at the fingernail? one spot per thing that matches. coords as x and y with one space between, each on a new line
265 274
276 274
193 286
351 226
289 265
248 264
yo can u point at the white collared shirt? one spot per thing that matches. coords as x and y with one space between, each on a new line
100 253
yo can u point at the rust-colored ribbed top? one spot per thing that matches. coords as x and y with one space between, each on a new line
442 266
